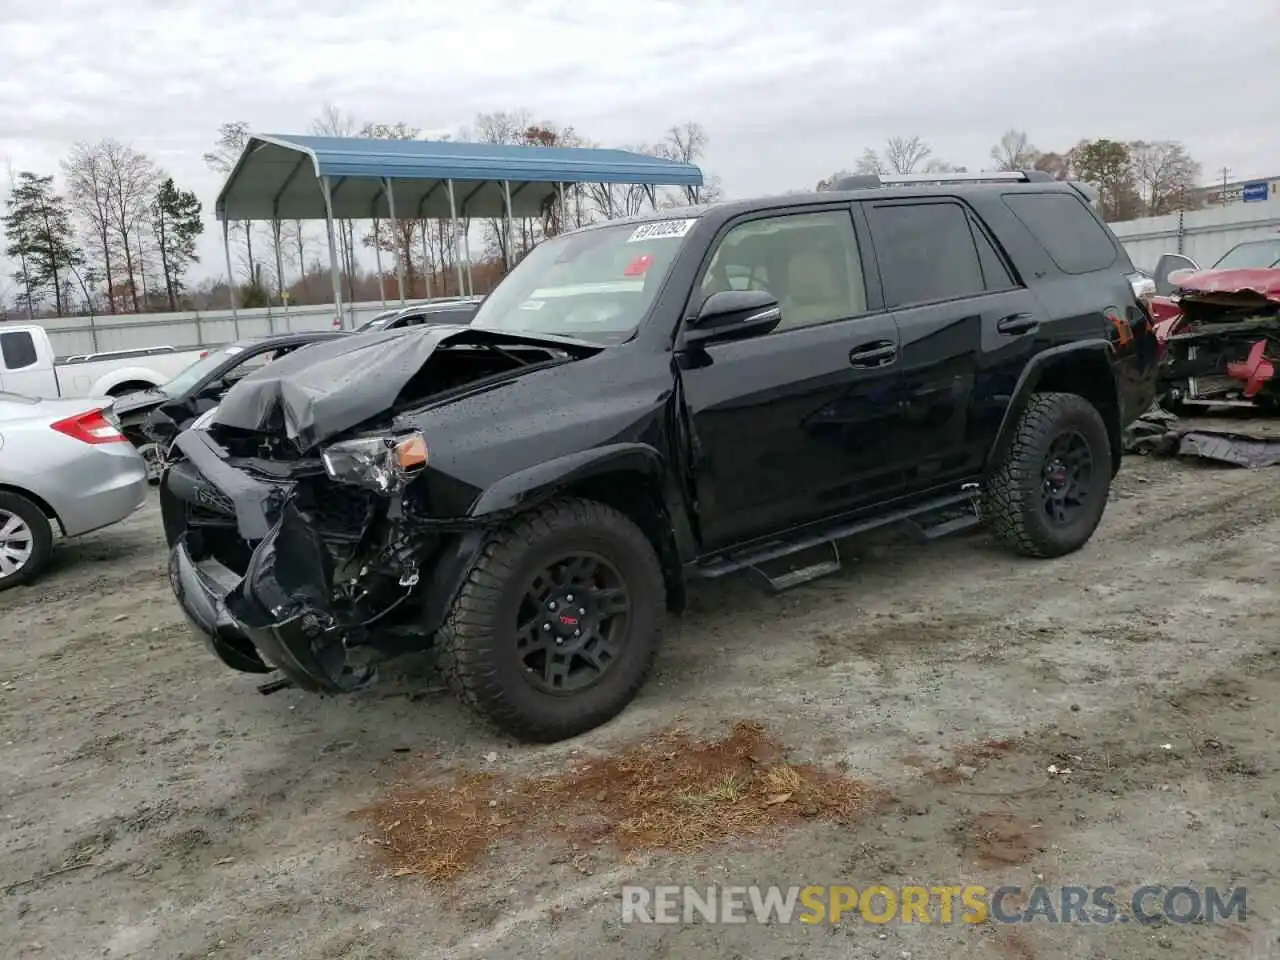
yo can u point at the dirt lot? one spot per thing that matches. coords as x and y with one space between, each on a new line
202 819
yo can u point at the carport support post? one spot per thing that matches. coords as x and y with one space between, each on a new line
231 280
453 235
377 260
506 225
426 259
395 236
466 252
333 250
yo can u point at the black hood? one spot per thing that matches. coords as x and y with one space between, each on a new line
333 385
142 402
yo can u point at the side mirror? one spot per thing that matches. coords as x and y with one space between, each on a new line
1167 270
733 315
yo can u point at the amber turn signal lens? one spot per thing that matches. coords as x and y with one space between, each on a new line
411 452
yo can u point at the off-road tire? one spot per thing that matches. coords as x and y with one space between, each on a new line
475 649
1011 499
41 538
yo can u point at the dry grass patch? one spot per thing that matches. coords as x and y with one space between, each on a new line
672 792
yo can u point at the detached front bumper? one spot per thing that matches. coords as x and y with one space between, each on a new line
274 616
311 657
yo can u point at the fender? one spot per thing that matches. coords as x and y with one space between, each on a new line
109 381
1093 351
539 482
528 487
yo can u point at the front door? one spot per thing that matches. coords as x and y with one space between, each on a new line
789 427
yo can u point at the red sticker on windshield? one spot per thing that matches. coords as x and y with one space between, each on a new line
638 266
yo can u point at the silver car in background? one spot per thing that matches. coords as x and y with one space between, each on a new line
62 462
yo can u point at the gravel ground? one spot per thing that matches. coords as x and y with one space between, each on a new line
205 820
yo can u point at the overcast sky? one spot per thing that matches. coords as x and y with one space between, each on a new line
788 90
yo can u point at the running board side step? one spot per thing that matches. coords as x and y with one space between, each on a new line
960 511
776 583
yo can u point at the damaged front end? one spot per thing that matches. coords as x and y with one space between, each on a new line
276 571
1221 347
299 547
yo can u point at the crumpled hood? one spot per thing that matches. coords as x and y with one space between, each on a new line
1264 281
140 402
330 386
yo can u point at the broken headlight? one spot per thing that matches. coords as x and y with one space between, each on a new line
381 464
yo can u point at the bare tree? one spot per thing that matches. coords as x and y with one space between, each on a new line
504 128
132 182
89 191
232 137
907 155
398 239
1164 173
687 143
1014 151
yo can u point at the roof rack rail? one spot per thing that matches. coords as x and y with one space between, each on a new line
870 181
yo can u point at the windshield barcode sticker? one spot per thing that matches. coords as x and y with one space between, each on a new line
661 230
533 305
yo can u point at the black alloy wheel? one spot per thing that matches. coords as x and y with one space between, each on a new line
1067 478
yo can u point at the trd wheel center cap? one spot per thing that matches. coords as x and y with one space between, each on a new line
564 617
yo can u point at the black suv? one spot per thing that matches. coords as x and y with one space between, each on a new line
646 402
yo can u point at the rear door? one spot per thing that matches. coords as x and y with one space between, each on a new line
790 426
967 327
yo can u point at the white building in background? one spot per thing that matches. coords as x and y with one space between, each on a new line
1257 190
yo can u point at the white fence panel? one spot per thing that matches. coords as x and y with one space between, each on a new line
1203 235
76 335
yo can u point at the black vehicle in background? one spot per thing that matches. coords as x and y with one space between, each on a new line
647 402
198 388
442 310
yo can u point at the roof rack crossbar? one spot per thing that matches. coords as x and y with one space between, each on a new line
871 180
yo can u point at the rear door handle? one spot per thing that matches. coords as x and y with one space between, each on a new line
874 354
1017 323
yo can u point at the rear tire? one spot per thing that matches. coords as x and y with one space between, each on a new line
572 565
26 540
1048 494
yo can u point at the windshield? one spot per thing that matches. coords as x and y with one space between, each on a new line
197 371
595 285
1258 254
378 322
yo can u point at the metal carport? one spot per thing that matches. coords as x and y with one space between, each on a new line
312 178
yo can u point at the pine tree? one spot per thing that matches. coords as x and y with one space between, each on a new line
38 227
175 218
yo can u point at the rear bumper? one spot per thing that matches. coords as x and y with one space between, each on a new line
117 486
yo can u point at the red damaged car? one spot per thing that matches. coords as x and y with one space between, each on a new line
1220 328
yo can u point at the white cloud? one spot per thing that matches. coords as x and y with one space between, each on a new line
787 91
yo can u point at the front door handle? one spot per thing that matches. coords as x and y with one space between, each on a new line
874 354
1017 323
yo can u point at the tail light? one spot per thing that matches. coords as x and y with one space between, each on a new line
96 426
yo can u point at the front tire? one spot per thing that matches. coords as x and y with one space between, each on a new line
1047 496
26 540
557 626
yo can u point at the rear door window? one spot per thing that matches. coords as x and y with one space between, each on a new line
1068 231
926 252
18 349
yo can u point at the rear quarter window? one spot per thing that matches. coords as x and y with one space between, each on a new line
1067 230
18 349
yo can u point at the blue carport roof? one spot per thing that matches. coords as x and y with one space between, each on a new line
279 177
